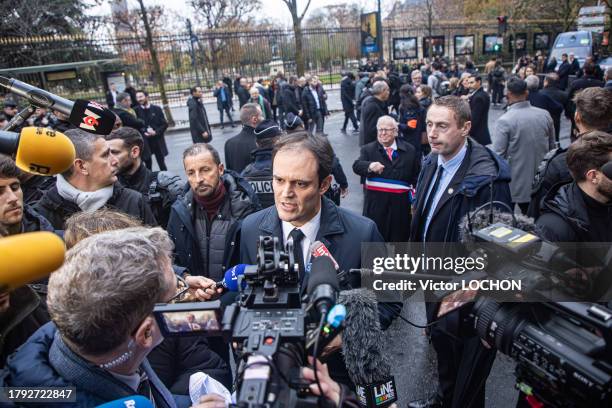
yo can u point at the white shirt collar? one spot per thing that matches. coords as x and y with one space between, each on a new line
310 230
393 146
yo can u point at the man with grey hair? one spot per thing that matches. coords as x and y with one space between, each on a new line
101 302
417 79
238 148
390 167
372 108
90 184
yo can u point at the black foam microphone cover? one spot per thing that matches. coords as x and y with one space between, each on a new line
92 117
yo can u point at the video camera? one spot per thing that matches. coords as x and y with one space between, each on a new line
563 350
275 330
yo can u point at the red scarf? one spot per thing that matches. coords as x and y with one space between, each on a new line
212 203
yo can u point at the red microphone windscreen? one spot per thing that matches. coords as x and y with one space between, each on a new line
92 117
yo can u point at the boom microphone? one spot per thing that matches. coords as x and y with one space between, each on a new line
39 151
362 345
29 257
86 115
134 401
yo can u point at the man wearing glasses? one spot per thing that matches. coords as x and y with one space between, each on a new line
390 167
102 325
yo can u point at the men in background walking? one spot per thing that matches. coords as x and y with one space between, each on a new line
111 96
543 101
314 106
198 119
523 135
390 167
372 108
263 103
238 148
479 107
224 101
564 72
243 92
347 95
156 125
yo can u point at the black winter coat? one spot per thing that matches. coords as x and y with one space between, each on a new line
198 121
224 230
371 109
564 73
347 94
479 105
387 199
56 209
238 149
560 97
154 117
310 105
291 103
34 188
243 95
552 171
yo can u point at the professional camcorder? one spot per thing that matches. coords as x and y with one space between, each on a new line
274 328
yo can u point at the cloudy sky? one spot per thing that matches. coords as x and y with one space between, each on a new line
272 9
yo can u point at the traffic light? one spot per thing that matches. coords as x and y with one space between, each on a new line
497 47
502 24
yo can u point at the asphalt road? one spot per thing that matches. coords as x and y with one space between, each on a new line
414 358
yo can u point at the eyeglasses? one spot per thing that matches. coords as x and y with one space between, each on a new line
387 130
182 287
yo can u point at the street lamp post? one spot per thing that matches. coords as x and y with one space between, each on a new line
192 40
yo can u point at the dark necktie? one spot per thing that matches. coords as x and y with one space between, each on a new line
297 236
144 388
430 200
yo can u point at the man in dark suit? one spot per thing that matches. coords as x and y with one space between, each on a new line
238 148
390 167
372 108
156 125
543 101
574 65
479 107
128 117
564 72
198 119
111 96
458 176
347 95
301 166
551 89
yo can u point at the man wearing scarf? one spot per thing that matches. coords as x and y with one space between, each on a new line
90 184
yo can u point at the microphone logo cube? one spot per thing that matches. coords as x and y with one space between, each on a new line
377 395
90 121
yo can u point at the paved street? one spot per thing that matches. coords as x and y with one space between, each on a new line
414 359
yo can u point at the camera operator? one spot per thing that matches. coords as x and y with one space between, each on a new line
101 302
593 112
161 188
581 211
301 167
458 176
90 184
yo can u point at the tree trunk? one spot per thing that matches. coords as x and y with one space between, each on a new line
156 66
299 52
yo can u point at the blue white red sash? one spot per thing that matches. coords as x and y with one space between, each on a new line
387 185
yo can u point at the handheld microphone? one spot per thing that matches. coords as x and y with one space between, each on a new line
367 363
322 285
86 115
231 279
318 249
38 150
29 257
133 401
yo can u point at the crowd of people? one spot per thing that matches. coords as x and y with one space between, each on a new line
427 157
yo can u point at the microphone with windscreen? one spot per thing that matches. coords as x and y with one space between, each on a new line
86 115
38 150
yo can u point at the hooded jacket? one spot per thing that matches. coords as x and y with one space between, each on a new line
46 361
483 176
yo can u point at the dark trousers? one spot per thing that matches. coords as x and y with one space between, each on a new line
498 93
350 115
523 206
226 108
463 363
159 158
316 121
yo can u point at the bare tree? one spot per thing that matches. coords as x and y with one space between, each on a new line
297 31
221 14
143 24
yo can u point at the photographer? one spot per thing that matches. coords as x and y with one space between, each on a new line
102 329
